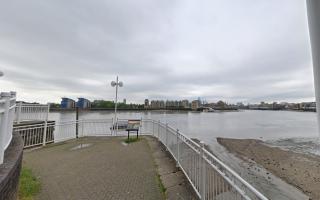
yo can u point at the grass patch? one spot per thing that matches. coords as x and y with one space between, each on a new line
131 140
161 186
29 185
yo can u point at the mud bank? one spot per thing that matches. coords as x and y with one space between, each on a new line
299 170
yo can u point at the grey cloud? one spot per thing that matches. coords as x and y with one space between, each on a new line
161 49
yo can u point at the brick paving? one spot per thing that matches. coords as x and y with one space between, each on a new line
105 170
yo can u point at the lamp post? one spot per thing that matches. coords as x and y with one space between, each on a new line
116 84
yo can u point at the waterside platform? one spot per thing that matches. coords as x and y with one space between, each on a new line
106 168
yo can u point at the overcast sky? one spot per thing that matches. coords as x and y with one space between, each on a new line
245 50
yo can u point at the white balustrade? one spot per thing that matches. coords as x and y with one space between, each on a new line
7 110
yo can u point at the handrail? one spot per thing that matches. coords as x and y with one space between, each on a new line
228 174
236 175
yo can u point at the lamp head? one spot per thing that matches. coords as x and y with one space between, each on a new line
1 73
120 84
113 83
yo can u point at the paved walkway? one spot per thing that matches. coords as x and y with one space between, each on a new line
105 170
177 185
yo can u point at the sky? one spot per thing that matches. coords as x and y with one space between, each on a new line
246 50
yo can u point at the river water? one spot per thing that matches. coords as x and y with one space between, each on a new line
296 131
265 125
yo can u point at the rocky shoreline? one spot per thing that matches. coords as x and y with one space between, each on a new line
299 170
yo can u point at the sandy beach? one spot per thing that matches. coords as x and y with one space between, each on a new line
299 170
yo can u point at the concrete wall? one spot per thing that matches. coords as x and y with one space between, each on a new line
10 169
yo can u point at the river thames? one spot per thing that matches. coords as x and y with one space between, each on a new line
254 124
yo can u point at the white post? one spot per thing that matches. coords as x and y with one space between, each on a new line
153 127
4 123
116 84
203 171
166 136
178 150
46 126
112 130
82 127
117 126
19 113
141 131
159 130
313 7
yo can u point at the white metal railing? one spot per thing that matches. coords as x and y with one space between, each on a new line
209 177
25 111
7 109
34 134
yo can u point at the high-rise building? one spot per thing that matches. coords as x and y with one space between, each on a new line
124 101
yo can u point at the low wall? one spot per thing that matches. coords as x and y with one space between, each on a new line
10 169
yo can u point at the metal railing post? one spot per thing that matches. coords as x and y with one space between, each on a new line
203 172
159 130
167 136
153 122
112 127
117 126
46 127
19 112
4 123
141 126
178 149
82 127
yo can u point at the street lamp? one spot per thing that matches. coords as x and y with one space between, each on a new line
116 84
1 73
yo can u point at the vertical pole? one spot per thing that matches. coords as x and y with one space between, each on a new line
77 122
19 113
203 171
166 136
141 126
158 129
112 127
82 127
4 123
153 127
116 102
46 127
178 149
128 137
313 7
117 126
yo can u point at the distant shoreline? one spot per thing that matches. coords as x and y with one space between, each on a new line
163 110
